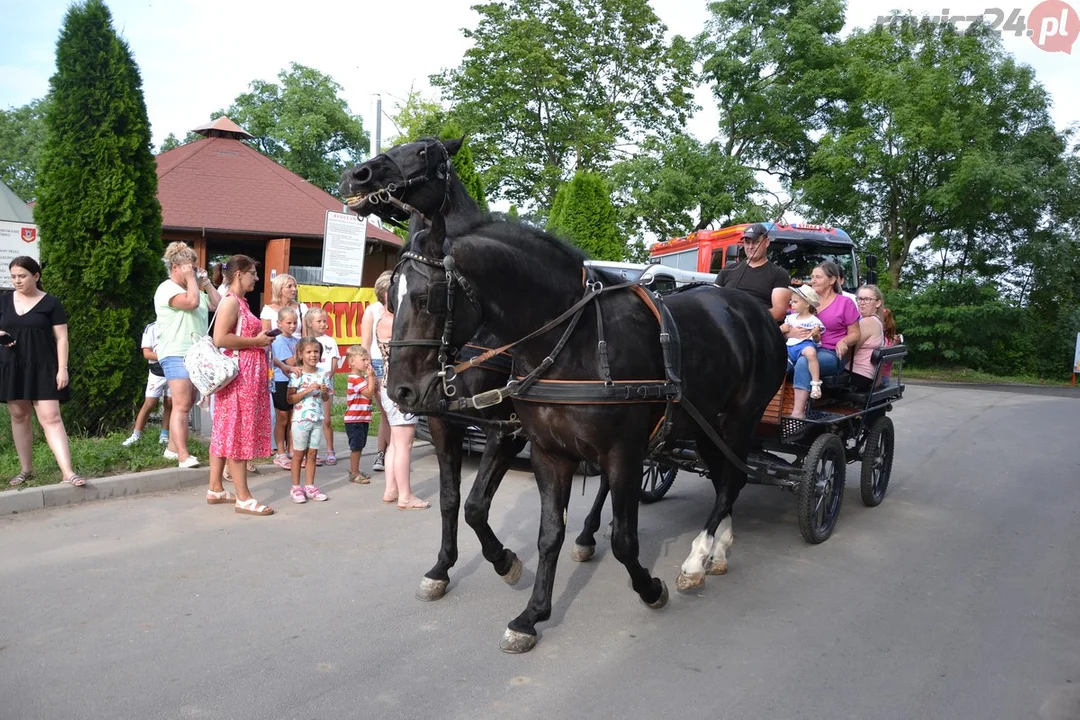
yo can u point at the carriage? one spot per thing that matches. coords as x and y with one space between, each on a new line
808 456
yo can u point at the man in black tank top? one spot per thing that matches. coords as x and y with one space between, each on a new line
759 276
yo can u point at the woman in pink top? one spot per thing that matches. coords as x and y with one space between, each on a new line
841 333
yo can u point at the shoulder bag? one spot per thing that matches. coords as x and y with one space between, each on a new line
210 368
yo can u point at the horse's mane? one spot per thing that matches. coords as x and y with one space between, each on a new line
514 232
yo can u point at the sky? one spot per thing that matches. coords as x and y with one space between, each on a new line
196 56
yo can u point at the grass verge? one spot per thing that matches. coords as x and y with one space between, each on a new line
91 457
966 375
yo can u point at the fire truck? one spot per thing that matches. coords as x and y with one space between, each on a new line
796 248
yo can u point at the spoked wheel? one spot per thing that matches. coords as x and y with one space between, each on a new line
821 488
656 480
877 462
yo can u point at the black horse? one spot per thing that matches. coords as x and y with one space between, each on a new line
512 279
448 433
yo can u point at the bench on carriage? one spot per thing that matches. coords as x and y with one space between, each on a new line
808 456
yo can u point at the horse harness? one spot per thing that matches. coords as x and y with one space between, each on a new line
438 168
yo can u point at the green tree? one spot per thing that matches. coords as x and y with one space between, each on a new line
171 141
583 213
941 134
773 66
303 123
554 86
22 133
418 117
676 185
99 215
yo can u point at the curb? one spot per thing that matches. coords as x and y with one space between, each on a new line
13 502
150 481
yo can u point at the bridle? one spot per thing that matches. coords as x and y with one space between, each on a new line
438 168
454 279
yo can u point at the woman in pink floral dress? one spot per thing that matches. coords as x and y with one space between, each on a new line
241 429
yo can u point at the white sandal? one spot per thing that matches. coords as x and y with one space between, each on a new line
815 389
251 506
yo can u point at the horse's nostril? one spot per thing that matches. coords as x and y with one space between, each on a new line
405 395
362 175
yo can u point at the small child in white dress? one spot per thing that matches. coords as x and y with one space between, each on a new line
804 302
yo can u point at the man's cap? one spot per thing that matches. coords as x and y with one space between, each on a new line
755 231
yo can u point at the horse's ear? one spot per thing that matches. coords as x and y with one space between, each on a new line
452 146
434 237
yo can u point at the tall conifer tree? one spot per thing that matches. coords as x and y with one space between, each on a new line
583 213
99 216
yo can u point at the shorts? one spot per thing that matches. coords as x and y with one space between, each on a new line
795 351
307 435
378 367
393 413
281 391
174 368
156 386
357 433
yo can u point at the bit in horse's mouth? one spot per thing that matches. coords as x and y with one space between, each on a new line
355 201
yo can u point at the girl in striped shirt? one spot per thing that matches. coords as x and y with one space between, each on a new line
358 407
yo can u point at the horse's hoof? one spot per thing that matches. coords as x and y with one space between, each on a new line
515 643
430 590
717 567
689 582
582 553
662 600
514 573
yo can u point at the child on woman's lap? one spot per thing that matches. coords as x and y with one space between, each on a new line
307 393
804 302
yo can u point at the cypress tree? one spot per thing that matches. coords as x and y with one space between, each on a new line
464 166
99 215
583 213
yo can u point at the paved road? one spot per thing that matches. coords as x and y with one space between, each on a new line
956 598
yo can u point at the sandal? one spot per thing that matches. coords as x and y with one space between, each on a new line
331 458
359 478
414 503
815 389
389 500
251 506
76 480
20 478
251 468
219 497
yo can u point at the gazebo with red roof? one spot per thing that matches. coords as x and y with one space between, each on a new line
223 197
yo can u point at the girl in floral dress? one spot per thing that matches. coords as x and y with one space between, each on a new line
241 429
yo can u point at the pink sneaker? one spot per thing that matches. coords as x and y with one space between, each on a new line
283 461
314 493
297 494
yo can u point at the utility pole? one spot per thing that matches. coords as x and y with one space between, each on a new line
376 126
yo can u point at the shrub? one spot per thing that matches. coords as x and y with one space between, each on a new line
99 215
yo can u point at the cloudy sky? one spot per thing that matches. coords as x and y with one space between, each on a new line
196 56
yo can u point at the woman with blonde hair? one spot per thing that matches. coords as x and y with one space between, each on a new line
373 313
283 291
183 303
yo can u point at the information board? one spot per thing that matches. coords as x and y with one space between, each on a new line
16 239
343 249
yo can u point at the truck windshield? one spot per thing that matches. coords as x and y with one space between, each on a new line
800 258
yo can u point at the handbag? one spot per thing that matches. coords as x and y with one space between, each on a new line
156 369
210 368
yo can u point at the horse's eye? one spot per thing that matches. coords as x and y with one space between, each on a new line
423 152
420 302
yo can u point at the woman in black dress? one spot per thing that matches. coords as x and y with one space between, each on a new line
33 367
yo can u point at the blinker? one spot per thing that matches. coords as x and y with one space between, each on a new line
436 298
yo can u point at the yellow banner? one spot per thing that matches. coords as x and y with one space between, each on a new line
343 305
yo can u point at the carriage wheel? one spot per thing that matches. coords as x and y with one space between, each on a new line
821 488
877 462
656 480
